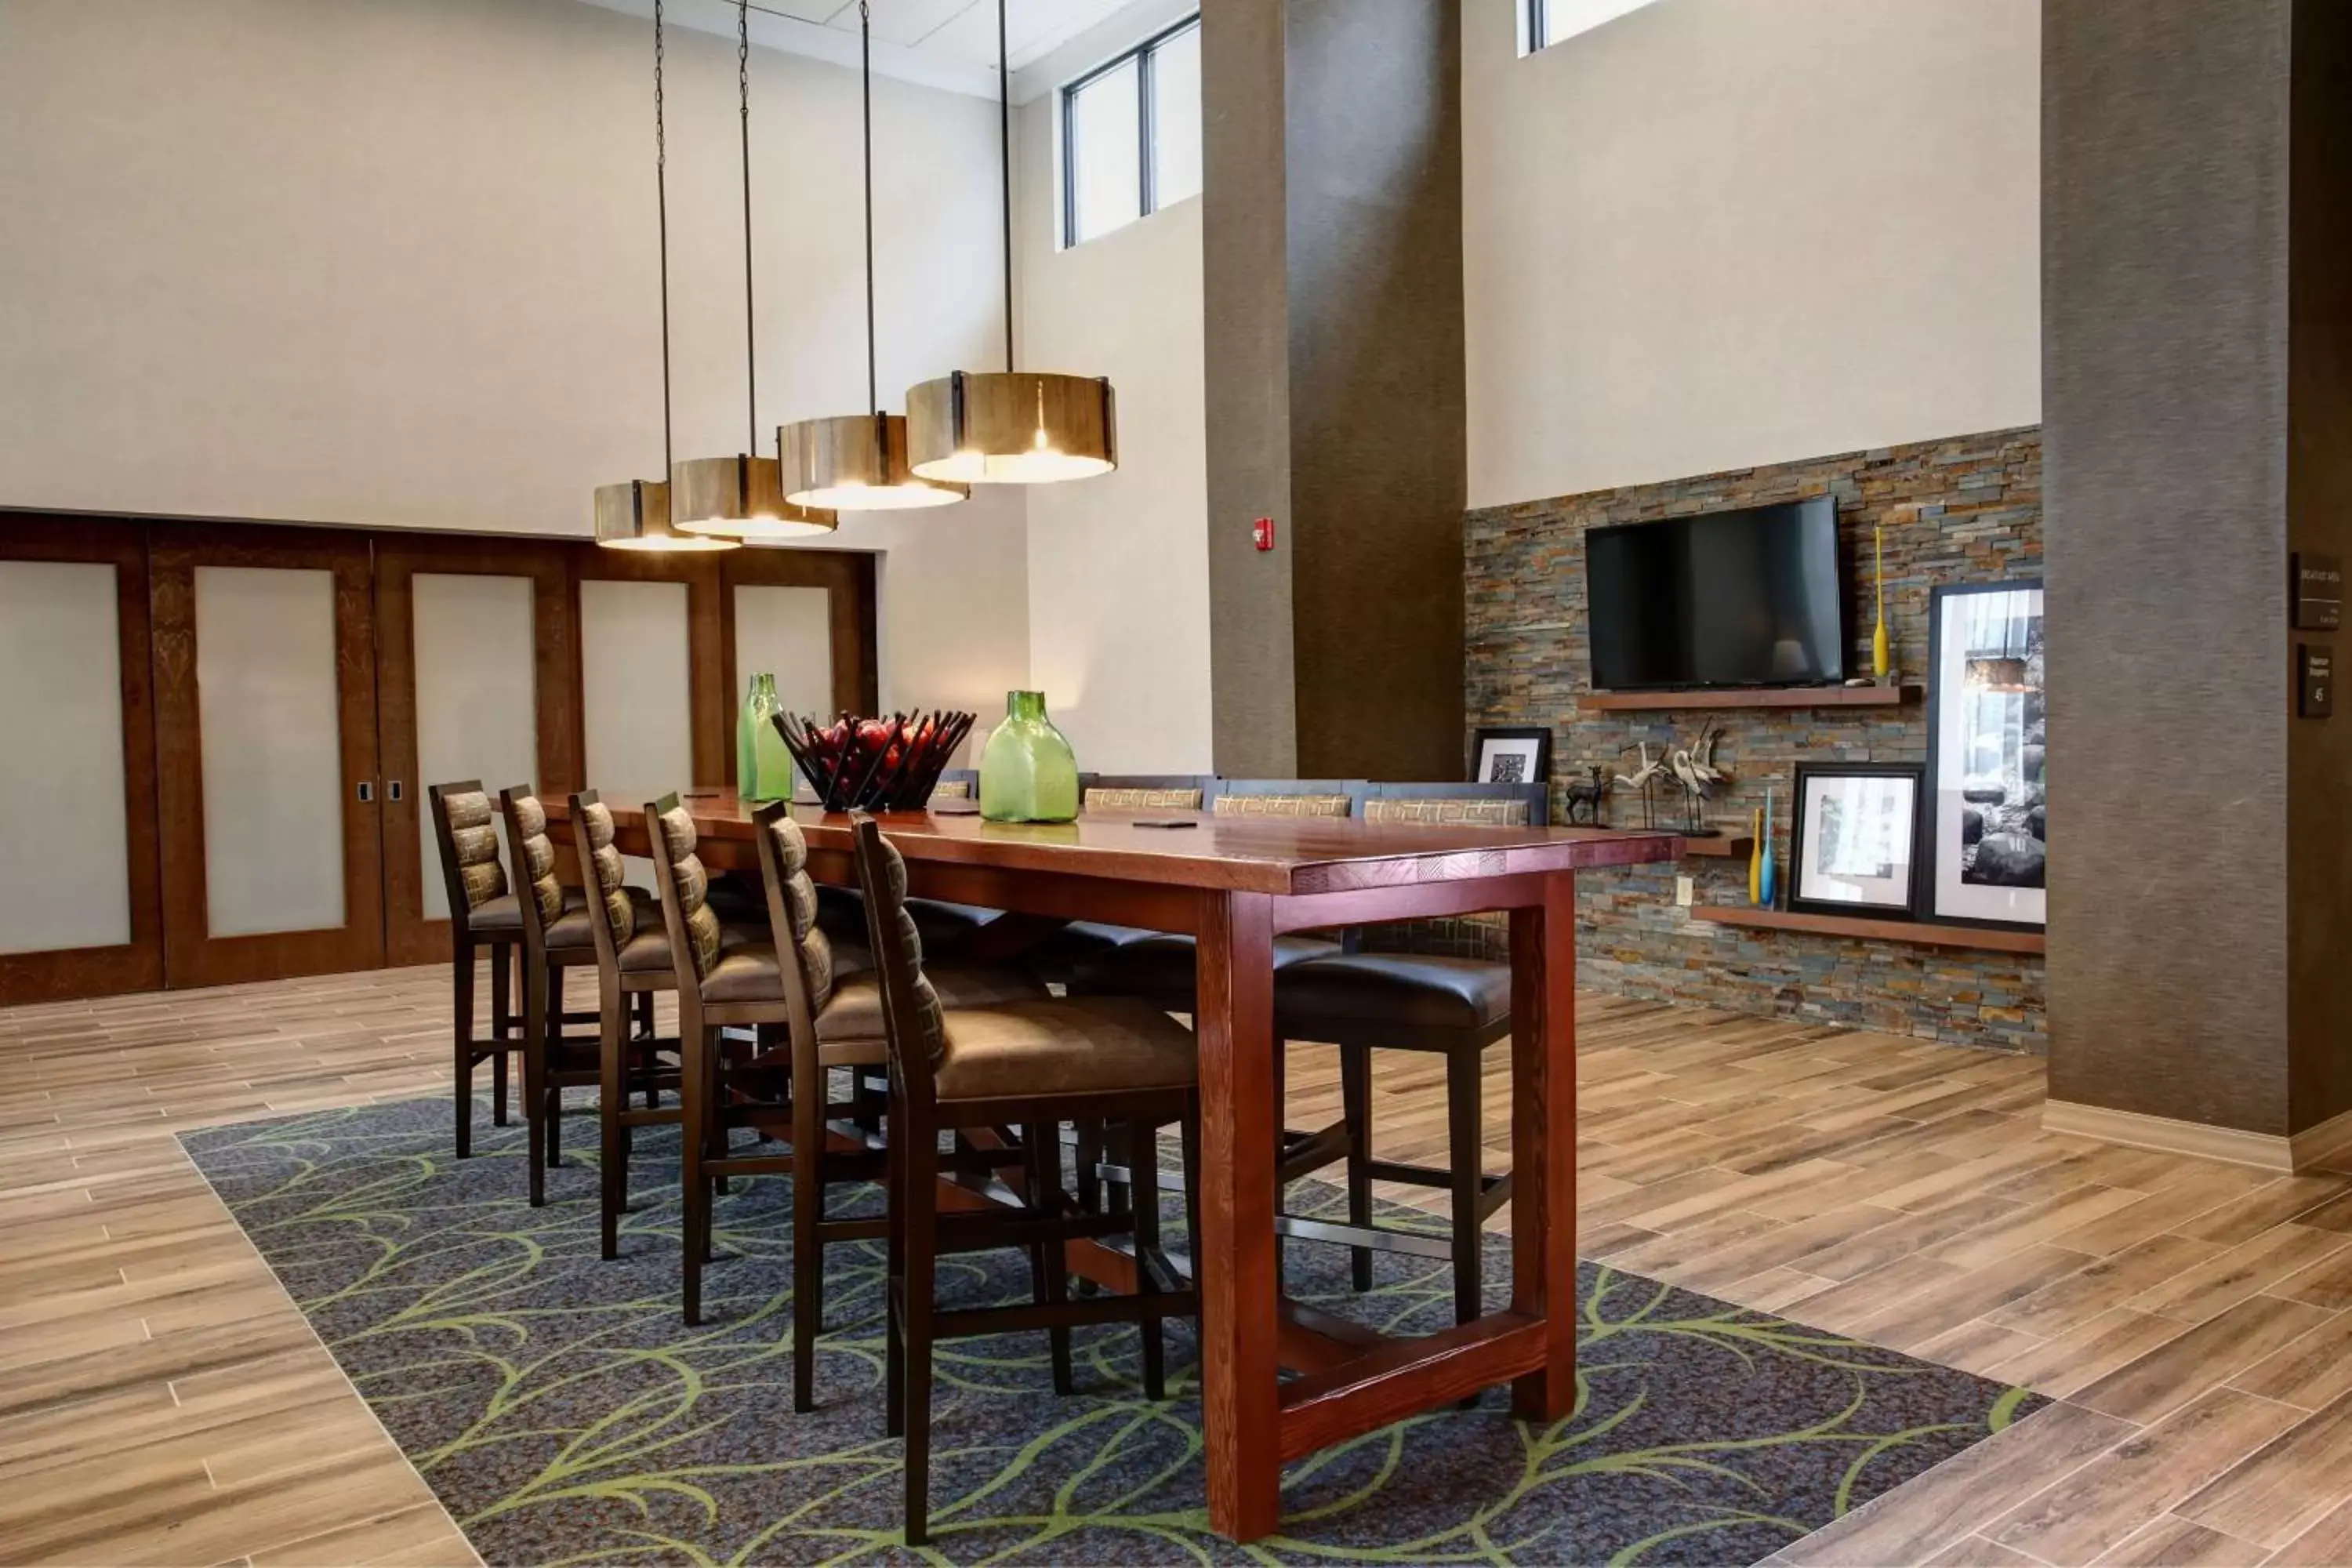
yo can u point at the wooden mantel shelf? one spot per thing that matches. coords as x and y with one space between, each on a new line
1753 696
1919 933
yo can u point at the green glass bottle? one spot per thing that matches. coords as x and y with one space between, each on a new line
762 766
1028 774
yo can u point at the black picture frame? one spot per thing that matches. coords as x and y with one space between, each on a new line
1802 872
1512 740
1949 894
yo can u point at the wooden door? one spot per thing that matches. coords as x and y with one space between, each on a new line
807 617
84 912
266 742
475 678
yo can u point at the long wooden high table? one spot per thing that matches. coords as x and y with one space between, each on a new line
1234 883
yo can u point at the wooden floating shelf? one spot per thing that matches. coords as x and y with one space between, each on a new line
1723 846
1918 934
1753 696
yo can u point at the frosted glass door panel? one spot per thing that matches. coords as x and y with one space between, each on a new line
476 697
63 835
270 727
634 687
789 633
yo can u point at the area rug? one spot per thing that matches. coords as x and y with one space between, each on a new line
564 1413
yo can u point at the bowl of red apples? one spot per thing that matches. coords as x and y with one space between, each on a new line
873 764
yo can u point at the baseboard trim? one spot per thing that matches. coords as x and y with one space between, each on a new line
2266 1150
2270 1152
2325 1145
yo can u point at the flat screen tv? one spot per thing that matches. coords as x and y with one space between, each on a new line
1727 599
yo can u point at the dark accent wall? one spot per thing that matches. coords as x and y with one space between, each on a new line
1246 302
1332 261
1966 510
2319 518
2166 395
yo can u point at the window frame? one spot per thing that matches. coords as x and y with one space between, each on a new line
1147 101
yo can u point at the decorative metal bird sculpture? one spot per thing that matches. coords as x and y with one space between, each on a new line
1642 777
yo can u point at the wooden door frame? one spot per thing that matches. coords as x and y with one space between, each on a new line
191 956
848 577
408 936
136 965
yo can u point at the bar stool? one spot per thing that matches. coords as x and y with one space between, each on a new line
1033 1065
557 935
483 918
825 1019
633 963
1437 985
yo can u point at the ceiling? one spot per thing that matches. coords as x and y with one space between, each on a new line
947 44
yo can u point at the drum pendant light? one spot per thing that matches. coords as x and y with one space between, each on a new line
858 462
742 496
635 514
1011 427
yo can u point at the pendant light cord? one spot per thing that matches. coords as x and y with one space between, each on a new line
750 330
865 96
661 208
1004 162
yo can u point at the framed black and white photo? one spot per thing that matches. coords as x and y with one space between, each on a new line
1987 740
1853 841
1512 756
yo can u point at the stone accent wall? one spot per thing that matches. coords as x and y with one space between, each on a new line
1964 509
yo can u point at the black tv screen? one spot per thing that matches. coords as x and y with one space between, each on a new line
1728 598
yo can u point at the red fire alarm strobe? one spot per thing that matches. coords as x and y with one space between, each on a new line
1262 534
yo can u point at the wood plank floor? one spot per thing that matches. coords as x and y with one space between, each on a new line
163 1402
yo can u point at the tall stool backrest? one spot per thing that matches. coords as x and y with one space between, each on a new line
533 854
684 886
804 952
463 819
608 878
912 1020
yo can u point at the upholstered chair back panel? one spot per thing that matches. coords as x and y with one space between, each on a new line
928 1030
676 826
799 897
1112 797
474 846
536 852
1481 936
1282 805
610 877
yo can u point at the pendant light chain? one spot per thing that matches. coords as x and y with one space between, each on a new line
865 99
750 330
661 208
1005 165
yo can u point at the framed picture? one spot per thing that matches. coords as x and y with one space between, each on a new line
1853 840
1513 756
1987 726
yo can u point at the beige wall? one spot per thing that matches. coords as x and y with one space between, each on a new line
1118 566
1715 233
395 263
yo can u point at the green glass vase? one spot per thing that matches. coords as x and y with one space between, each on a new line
1028 774
763 768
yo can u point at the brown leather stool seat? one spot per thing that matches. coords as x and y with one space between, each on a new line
1079 1044
1404 989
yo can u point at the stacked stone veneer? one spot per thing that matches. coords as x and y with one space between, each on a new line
1966 510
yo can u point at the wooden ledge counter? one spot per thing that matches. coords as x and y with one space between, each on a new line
1235 883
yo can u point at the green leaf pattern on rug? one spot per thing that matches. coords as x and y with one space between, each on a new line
566 1414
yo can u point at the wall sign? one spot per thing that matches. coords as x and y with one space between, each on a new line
2314 680
2318 593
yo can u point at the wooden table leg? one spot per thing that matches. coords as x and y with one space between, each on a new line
1543 1141
1240 1396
